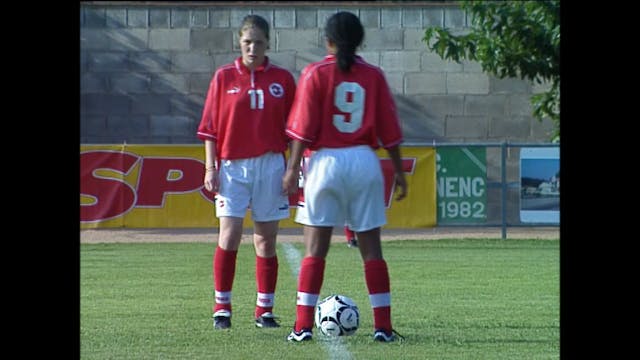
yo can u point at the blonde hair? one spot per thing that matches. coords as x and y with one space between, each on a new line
255 21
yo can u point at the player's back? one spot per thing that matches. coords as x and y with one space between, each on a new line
352 107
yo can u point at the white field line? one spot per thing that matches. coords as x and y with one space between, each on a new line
335 348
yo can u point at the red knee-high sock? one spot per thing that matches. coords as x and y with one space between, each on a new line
266 278
377 278
309 284
224 270
348 233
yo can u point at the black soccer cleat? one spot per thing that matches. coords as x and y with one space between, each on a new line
384 336
352 243
266 320
303 335
222 319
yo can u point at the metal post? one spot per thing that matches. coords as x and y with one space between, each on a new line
504 189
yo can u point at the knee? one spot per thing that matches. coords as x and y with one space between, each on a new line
265 245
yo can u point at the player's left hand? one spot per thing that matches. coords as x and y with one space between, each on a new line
290 182
401 185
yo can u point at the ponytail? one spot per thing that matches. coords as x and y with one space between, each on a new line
345 30
346 58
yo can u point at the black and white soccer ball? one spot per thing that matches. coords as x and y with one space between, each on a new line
337 315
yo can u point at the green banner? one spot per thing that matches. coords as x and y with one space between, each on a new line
461 175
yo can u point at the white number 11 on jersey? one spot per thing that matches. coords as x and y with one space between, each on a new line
354 106
259 102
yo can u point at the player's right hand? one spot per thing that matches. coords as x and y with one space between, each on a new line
211 180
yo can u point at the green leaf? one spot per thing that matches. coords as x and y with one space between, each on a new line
510 39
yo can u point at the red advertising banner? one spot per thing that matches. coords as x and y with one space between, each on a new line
159 186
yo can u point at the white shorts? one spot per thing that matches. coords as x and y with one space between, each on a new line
254 183
343 186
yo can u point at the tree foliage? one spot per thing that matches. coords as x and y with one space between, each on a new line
510 39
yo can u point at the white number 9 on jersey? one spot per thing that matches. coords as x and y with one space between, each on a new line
349 98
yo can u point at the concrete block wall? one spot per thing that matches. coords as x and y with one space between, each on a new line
145 69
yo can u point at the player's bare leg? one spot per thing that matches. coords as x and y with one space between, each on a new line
264 238
370 244
317 240
230 233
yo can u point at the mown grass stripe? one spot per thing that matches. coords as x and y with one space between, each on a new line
335 348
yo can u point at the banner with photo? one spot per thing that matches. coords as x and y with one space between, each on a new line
540 185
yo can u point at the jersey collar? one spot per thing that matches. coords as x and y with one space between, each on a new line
243 69
333 57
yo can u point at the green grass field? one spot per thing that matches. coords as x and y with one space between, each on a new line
451 299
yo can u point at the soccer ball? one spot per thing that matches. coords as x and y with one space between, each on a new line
337 315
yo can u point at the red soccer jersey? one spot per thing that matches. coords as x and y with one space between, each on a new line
246 111
335 109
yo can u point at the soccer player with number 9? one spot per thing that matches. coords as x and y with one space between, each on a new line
342 111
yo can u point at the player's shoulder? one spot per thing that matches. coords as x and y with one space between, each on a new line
317 67
225 70
369 67
228 66
280 71
275 67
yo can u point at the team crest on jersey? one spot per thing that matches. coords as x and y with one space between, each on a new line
276 90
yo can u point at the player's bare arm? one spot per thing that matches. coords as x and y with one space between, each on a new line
211 172
399 179
290 178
